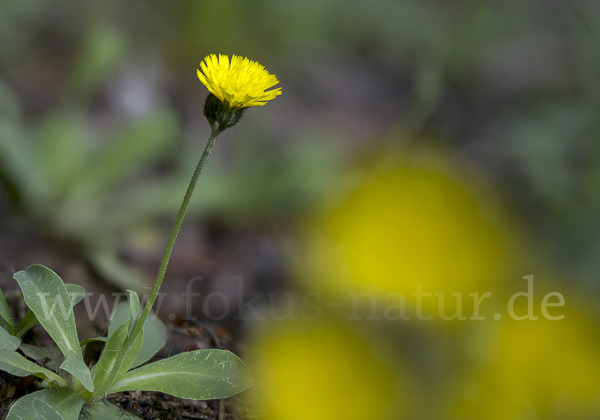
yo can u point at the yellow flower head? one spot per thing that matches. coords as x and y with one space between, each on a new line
240 82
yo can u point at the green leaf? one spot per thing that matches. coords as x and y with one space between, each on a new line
33 352
8 342
109 354
155 333
15 364
56 357
5 314
63 400
198 375
131 355
102 51
23 409
76 367
60 149
120 316
76 294
106 411
155 337
111 268
89 340
134 308
27 323
46 295
17 155
143 140
44 411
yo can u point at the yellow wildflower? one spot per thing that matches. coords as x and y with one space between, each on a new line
239 83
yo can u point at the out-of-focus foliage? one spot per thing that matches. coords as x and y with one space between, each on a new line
72 186
97 150
509 86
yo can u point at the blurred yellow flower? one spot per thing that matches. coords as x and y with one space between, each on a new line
319 372
403 229
538 369
240 82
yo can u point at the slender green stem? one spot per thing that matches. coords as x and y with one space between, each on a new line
137 328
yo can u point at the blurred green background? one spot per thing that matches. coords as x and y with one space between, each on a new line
101 125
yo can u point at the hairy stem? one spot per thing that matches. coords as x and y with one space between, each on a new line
137 328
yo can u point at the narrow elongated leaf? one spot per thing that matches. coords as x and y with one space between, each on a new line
60 149
115 271
198 375
109 354
6 325
15 364
102 50
155 333
134 308
89 340
7 341
5 314
46 295
120 316
63 400
76 367
131 355
33 352
44 411
27 323
141 142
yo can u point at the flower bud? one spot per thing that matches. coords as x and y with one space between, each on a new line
220 112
